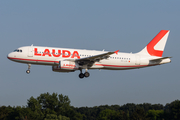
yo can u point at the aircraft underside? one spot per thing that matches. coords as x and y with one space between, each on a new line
57 68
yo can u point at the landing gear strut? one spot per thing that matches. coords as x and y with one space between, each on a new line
86 74
28 71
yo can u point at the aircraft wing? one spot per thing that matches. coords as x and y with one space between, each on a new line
98 57
95 58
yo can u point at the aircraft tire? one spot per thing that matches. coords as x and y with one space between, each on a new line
81 75
86 74
27 71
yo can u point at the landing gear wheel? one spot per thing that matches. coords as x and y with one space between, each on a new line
81 75
86 74
27 71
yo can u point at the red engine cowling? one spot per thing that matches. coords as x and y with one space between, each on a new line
66 66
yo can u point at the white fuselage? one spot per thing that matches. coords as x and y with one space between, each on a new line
52 56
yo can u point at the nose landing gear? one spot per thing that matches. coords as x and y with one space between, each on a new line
28 71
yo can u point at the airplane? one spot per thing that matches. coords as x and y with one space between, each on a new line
70 60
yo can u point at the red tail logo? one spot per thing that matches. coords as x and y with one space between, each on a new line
156 39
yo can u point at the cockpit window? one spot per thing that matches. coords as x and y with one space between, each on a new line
17 50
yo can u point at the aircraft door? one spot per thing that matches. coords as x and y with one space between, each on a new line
30 51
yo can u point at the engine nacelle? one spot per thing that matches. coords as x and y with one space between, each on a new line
58 69
66 66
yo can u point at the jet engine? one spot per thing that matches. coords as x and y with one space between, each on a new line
66 66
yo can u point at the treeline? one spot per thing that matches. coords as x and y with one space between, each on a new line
57 107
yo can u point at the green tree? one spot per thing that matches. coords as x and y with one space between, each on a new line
155 114
108 114
60 117
51 104
18 113
63 106
5 112
105 114
55 117
48 102
172 110
34 109
139 114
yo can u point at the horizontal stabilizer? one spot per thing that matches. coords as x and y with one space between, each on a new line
160 58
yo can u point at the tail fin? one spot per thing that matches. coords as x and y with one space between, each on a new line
157 44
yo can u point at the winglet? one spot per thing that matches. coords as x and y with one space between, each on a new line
116 51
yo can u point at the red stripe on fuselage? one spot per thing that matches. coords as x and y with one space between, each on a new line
120 66
115 66
32 60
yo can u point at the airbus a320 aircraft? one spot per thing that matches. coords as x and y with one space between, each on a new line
69 60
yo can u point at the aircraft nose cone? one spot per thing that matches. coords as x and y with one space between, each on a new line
9 56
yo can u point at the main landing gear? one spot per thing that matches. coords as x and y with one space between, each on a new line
86 74
28 71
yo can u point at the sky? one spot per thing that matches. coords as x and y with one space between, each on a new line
127 26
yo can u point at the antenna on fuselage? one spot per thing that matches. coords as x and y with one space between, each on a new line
32 45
